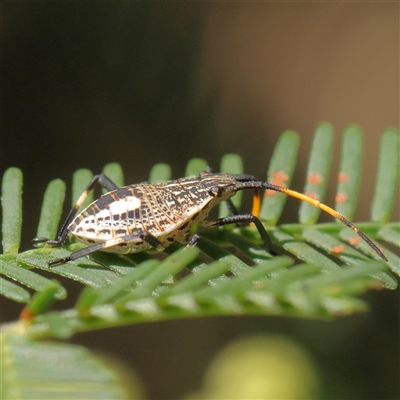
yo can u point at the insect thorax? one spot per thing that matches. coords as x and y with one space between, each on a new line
165 210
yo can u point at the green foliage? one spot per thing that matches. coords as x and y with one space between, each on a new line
228 273
37 370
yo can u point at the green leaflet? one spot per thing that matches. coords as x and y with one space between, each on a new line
229 272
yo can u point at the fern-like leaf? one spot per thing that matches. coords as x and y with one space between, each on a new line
32 370
228 272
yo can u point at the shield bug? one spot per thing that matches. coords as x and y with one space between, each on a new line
137 217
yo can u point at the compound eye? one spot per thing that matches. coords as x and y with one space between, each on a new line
215 191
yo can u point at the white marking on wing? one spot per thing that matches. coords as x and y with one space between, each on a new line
128 203
103 214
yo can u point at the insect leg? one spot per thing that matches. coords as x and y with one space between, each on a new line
231 207
62 234
193 240
247 218
147 237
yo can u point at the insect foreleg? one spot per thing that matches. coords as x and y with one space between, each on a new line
62 234
145 236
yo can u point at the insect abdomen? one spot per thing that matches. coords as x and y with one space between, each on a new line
158 209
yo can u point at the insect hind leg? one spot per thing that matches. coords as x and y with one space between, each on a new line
145 236
105 182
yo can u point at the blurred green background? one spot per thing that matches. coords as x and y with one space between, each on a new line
88 83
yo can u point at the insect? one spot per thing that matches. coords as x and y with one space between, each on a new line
137 217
